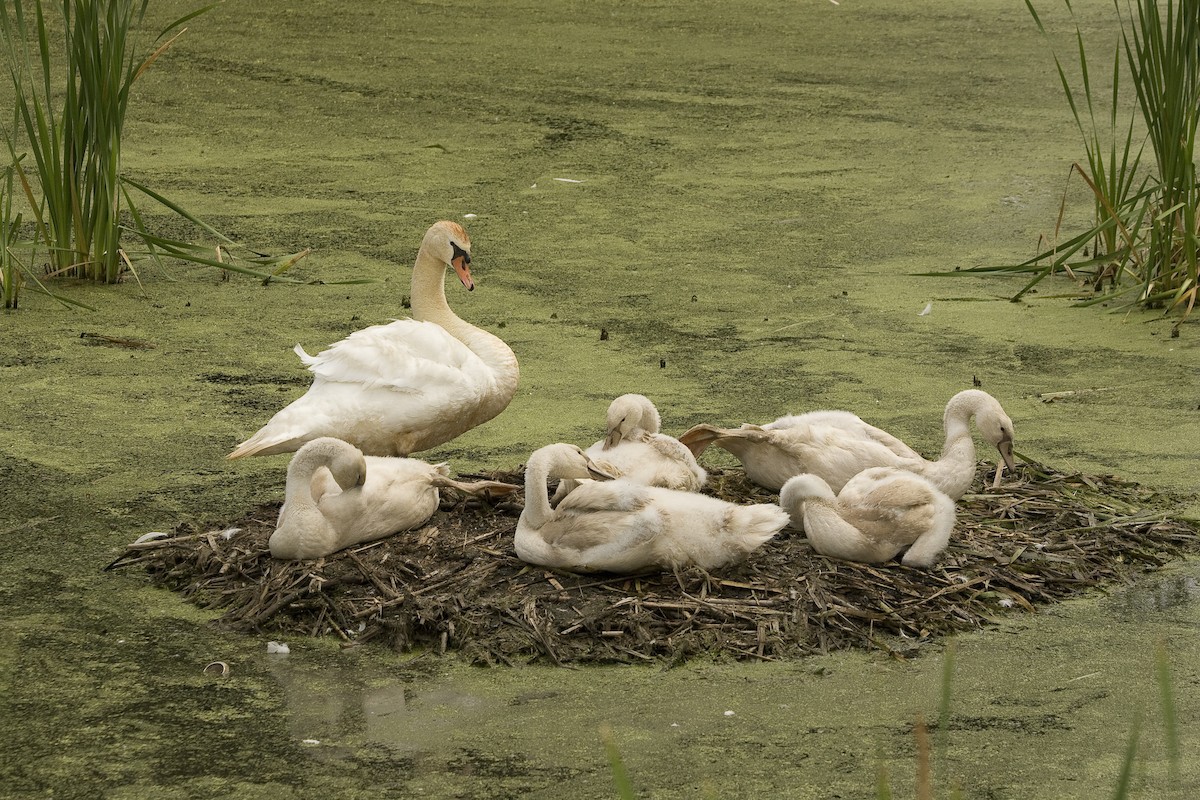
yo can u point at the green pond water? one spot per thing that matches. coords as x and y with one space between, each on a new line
737 195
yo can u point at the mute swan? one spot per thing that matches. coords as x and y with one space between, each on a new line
620 526
634 449
878 513
837 445
405 386
336 497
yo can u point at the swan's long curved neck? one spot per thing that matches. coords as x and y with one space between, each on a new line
298 486
959 445
429 294
537 500
953 471
828 523
429 305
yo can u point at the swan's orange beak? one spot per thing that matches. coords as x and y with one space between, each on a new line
462 265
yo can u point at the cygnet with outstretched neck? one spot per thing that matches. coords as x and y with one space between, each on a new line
837 445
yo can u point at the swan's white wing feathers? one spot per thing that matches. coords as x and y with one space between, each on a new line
849 426
405 355
887 504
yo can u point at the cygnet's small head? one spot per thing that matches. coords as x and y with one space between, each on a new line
563 460
628 413
450 244
349 468
996 428
339 459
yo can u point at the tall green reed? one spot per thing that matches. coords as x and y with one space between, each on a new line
1163 53
621 780
11 273
15 272
69 117
1143 236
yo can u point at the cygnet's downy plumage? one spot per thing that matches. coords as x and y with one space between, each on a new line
878 513
624 527
634 448
336 497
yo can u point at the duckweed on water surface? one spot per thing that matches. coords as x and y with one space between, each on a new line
788 166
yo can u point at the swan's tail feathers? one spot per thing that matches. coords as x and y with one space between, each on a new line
755 525
484 489
699 437
305 358
265 443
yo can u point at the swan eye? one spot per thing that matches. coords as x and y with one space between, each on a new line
460 253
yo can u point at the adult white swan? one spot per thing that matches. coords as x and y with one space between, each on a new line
406 386
837 445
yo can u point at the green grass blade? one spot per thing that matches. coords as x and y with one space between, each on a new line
947 686
620 775
1125 779
1170 716
883 786
1036 19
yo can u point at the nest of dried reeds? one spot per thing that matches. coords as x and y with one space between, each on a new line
1039 537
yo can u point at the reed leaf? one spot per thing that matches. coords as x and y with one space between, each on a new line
883 786
943 734
77 193
10 268
14 274
1125 778
1144 234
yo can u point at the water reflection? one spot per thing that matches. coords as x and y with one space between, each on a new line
1155 594
337 710
467 732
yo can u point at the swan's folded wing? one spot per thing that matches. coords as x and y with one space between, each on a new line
594 496
890 442
668 448
889 511
611 530
875 522
406 355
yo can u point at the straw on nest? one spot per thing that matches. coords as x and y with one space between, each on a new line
1040 537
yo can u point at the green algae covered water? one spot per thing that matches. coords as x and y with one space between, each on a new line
736 195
